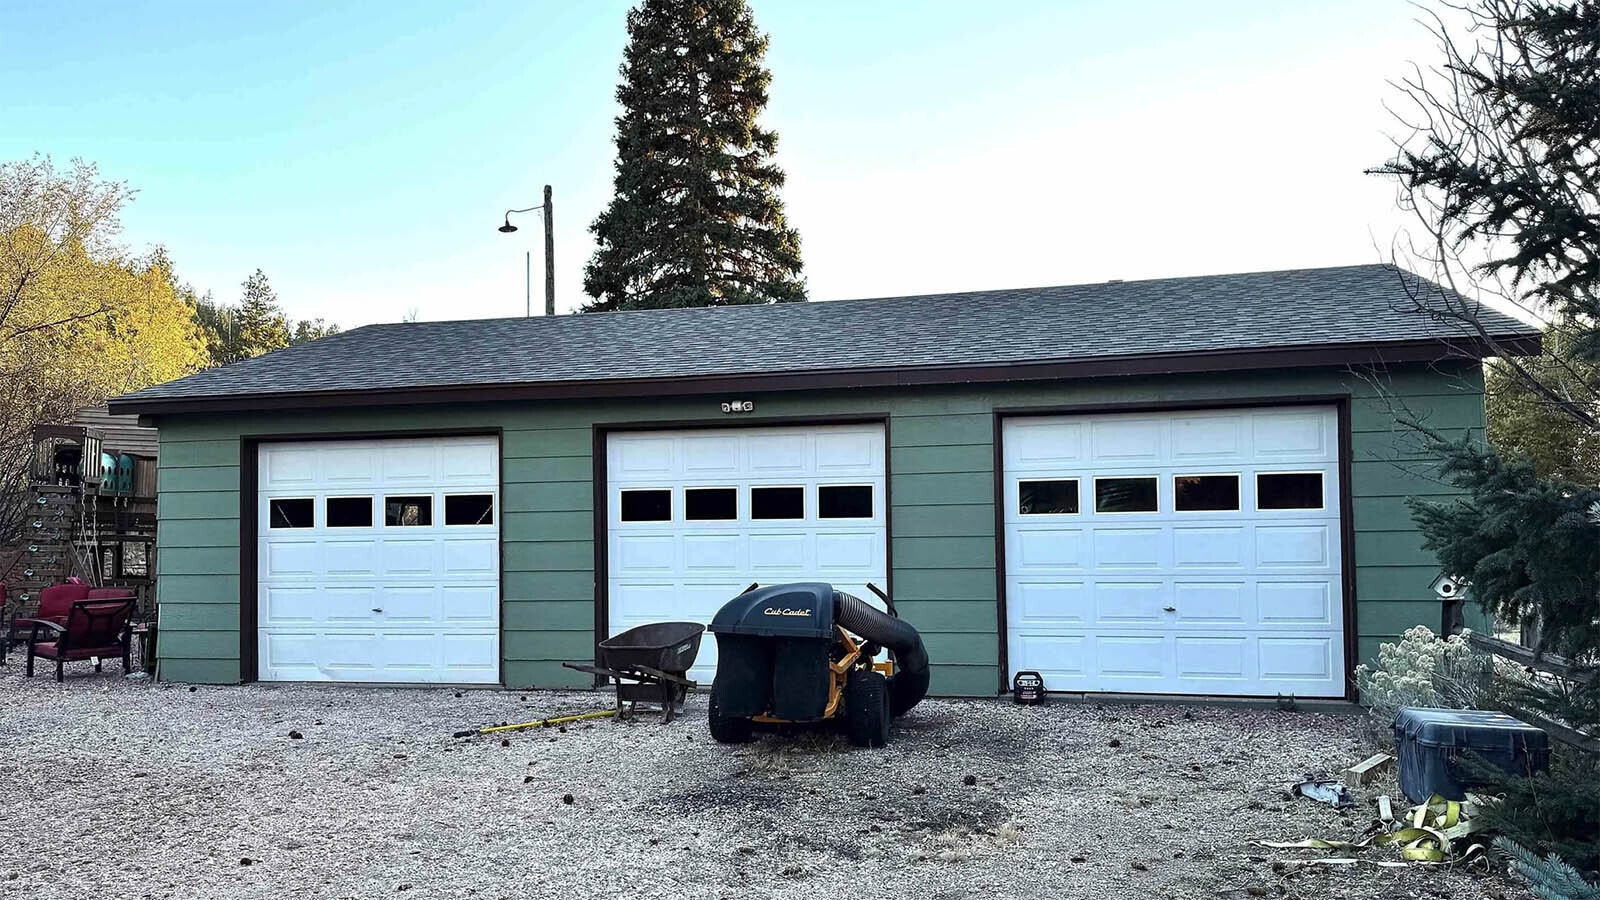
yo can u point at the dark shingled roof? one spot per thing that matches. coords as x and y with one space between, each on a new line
1347 307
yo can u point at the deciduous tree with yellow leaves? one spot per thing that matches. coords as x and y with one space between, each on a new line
80 320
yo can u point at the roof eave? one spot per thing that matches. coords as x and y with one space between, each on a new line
1301 356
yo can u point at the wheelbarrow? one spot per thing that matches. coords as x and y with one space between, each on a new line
649 665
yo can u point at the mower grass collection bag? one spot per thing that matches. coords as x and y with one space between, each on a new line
804 653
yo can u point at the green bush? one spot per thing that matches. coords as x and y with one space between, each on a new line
1555 811
1549 877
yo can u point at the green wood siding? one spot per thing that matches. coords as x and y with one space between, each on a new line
197 558
941 485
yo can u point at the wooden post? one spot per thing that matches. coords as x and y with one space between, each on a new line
549 254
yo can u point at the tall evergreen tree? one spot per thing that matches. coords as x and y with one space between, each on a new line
1502 170
255 326
696 220
261 325
1501 166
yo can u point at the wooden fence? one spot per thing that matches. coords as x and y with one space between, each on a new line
1550 664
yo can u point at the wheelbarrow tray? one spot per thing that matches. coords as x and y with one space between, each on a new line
668 647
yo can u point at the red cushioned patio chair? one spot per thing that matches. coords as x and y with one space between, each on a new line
95 629
55 602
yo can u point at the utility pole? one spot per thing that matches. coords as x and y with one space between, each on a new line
549 255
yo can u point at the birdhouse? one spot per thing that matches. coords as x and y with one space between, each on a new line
1448 587
1452 593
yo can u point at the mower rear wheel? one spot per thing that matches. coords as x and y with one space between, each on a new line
866 708
727 729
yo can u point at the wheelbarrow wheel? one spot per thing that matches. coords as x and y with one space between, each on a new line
866 708
727 729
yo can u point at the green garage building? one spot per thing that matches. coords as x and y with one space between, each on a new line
1186 486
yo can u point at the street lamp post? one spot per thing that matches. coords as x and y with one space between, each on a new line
549 254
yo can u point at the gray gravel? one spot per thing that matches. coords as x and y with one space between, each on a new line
164 791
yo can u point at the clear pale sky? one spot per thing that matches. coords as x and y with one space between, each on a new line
362 153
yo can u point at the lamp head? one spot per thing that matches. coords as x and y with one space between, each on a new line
507 228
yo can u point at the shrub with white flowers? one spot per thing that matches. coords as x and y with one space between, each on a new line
1422 669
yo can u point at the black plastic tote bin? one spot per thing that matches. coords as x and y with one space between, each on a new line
1428 742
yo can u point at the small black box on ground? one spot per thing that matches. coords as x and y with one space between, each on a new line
1428 742
1027 688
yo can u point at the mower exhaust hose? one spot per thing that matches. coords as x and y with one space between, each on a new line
910 682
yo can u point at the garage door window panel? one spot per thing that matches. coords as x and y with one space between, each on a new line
291 512
1289 490
711 504
1132 494
468 509
1205 493
1051 497
349 512
844 501
777 503
408 511
651 505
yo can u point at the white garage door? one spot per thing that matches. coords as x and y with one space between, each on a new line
1184 553
380 560
696 516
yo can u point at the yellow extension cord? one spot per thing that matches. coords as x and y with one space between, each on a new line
540 723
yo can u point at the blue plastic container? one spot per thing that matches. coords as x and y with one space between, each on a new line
124 473
1428 742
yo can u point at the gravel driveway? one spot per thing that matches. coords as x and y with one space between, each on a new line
129 789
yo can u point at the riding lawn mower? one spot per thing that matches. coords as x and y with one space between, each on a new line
807 654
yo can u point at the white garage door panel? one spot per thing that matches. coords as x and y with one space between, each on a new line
1218 547
381 603
1212 603
1240 601
684 569
355 560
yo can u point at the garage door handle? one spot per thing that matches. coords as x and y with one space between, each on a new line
375 609
1170 608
